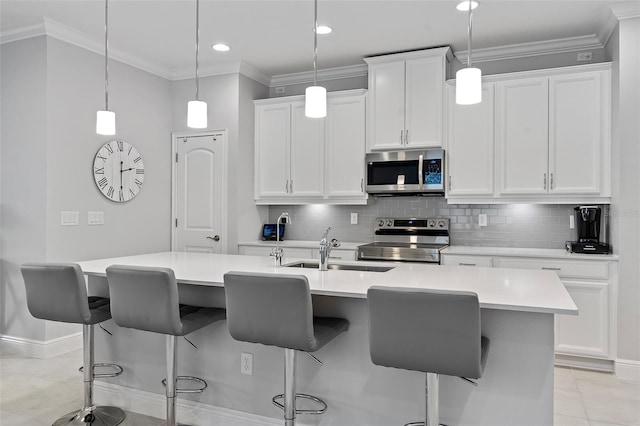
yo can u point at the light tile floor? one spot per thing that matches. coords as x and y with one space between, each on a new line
34 392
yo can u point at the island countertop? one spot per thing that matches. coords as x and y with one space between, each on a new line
507 289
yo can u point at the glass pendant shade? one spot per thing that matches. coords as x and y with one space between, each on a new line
197 114
468 86
106 123
315 102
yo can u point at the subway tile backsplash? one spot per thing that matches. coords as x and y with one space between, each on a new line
508 225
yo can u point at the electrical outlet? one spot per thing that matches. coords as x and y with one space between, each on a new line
482 219
279 90
584 56
246 363
354 218
572 222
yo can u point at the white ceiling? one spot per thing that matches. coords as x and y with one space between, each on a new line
276 36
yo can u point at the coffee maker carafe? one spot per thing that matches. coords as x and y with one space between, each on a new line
587 222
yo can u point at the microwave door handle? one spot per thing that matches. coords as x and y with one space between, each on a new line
420 174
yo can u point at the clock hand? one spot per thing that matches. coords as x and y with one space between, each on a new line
126 170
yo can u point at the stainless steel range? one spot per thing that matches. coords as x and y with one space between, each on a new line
407 240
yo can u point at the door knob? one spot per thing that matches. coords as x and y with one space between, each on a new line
216 238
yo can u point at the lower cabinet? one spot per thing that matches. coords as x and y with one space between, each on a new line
590 283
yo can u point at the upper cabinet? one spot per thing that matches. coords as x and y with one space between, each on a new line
550 140
406 95
300 160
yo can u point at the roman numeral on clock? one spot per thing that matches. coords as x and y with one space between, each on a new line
102 183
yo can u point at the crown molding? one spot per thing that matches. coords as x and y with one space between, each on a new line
323 75
539 48
22 33
626 10
237 67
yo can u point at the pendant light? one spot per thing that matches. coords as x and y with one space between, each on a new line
106 120
197 109
468 80
315 102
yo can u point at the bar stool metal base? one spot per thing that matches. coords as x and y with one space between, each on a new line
99 416
302 396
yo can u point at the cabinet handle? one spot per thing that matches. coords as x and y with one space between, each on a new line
401 142
291 186
449 182
406 137
466 264
551 181
420 170
286 186
545 181
549 268
362 184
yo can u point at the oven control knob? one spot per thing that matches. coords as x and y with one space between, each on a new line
389 222
441 224
381 223
431 223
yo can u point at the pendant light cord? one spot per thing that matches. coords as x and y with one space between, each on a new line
197 47
469 37
315 43
106 55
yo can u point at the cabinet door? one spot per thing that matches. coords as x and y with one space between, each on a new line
577 113
588 332
386 106
272 139
522 136
424 97
470 146
345 146
307 154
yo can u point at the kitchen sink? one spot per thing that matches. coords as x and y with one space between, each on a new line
341 267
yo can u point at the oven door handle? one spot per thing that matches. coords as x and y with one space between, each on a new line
420 174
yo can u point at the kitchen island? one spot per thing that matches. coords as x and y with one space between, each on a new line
518 308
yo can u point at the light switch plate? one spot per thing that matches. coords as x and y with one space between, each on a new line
482 219
354 218
69 218
95 218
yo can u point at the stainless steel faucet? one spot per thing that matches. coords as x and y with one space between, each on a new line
325 249
277 253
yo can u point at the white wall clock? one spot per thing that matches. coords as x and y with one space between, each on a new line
118 171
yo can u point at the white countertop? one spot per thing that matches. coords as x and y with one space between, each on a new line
299 244
525 252
506 289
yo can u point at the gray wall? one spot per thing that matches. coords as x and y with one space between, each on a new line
624 51
50 94
514 225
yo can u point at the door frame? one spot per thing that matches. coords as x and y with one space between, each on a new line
175 136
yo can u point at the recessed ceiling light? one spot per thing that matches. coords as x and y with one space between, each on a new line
464 6
221 47
323 29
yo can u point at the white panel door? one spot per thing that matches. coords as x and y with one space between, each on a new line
386 106
424 97
199 205
272 139
307 154
588 332
345 147
575 133
522 120
470 145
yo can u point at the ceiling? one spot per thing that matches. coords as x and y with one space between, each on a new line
276 37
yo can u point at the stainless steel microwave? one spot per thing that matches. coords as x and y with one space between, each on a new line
415 172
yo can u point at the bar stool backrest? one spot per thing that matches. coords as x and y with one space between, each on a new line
272 309
56 292
432 331
145 298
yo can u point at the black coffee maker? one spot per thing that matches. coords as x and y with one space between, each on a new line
587 222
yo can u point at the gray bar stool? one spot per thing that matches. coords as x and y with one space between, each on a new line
58 292
433 331
276 310
147 299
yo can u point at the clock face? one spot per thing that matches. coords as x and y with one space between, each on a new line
118 171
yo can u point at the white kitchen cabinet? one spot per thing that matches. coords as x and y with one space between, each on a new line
406 94
470 146
345 134
289 148
466 260
579 133
522 116
302 160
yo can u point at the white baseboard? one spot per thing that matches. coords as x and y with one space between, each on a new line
154 405
628 370
41 349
